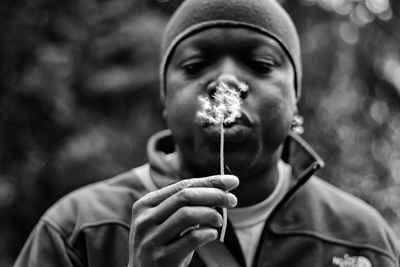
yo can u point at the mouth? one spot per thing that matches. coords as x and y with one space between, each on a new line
243 120
234 132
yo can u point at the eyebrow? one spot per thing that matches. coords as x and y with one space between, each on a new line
214 46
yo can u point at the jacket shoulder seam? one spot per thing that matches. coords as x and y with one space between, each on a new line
74 235
47 221
95 224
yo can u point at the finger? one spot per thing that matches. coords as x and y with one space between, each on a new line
185 218
210 197
191 241
224 182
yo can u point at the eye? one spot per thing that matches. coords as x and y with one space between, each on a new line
194 66
262 65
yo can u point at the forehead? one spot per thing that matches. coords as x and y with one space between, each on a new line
229 39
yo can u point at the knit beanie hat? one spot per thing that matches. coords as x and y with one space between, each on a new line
263 16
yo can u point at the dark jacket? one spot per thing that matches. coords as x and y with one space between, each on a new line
316 224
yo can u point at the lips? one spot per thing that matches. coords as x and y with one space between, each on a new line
234 132
242 120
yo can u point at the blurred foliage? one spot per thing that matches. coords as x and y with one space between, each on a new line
79 98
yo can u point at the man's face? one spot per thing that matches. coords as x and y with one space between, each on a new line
231 55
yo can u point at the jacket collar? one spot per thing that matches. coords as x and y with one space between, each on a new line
302 158
304 162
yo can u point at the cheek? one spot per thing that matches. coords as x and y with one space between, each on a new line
275 111
181 100
278 102
274 126
179 106
276 118
181 110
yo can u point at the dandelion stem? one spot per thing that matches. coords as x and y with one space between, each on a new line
221 158
221 150
224 106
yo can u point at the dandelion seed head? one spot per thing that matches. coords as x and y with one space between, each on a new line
224 107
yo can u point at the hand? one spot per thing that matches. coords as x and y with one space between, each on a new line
159 233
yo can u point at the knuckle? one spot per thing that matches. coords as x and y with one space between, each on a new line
137 207
149 198
183 184
183 196
186 213
186 195
214 181
140 207
138 223
143 202
143 221
220 196
193 237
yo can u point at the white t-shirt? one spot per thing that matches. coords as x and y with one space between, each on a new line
249 222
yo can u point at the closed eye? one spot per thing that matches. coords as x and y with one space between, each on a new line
262 65
193 66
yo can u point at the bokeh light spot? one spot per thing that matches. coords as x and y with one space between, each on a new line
349 33
379 111
395 170
362 15
377 6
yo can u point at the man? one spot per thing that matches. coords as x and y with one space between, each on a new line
280 214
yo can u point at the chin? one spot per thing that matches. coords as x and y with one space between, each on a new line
238 157
243 155
238 163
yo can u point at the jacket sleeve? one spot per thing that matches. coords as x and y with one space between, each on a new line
46 247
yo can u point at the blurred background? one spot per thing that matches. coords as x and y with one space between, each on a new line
79 98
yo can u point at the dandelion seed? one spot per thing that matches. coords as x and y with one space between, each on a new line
224 108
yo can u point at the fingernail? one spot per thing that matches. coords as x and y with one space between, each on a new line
220 221
231 181
232 199
215 235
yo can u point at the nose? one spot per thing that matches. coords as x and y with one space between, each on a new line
229 79
228 76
